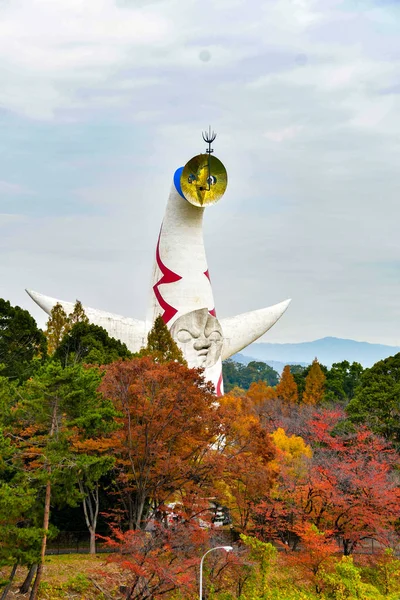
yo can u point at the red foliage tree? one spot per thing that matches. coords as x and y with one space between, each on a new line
164 446
350 487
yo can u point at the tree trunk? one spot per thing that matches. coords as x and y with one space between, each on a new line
46 516
92 541
24 589
130 505
139 511
46 519
91 504
9 584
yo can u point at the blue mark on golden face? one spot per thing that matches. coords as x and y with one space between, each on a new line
177 181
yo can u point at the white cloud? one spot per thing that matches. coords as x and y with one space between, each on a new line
280 135
13 189
299 92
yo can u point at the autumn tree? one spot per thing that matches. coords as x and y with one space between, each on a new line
317 549
168 424
352 488
348 486
22 343
286 389
59 324
78 315
160 344
247 453
260 392
278 513
314 390
56 327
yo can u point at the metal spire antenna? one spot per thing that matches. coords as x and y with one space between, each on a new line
209 137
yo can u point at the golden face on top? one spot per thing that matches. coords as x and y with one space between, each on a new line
203 180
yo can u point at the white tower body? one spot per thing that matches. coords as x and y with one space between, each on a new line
182 294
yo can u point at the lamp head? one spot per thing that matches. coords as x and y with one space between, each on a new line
203 180
227 548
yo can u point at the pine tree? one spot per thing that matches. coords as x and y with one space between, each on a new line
23 345
161 345
314 390
56 327
286 389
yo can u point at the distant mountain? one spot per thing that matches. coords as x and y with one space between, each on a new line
275 364
328 350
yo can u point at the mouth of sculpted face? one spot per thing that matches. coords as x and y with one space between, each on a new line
199 335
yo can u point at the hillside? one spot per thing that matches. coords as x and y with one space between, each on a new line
275 364
328 350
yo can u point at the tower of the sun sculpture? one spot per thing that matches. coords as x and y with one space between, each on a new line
181 287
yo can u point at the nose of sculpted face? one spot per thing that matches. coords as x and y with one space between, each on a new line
202 343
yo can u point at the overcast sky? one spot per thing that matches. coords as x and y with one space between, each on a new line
101 100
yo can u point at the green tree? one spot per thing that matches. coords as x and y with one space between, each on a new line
19 536
161 345
55 407
90 344
263 555
300 373
22 343
377 399
342 380
242 376
345 582
260 371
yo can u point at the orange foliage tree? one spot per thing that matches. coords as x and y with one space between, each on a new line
247 453
287 389
314 390
279 513
164 446
259 392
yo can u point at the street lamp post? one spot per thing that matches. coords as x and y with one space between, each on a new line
226 548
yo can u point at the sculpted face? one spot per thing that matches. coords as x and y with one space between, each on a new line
199 335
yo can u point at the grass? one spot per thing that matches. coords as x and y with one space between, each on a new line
66 577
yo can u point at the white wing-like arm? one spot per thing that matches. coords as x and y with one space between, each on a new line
131 332
244 329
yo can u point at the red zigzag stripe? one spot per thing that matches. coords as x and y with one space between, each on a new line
219 386
168 277
212 312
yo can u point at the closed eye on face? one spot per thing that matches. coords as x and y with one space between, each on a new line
184 336
215 336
